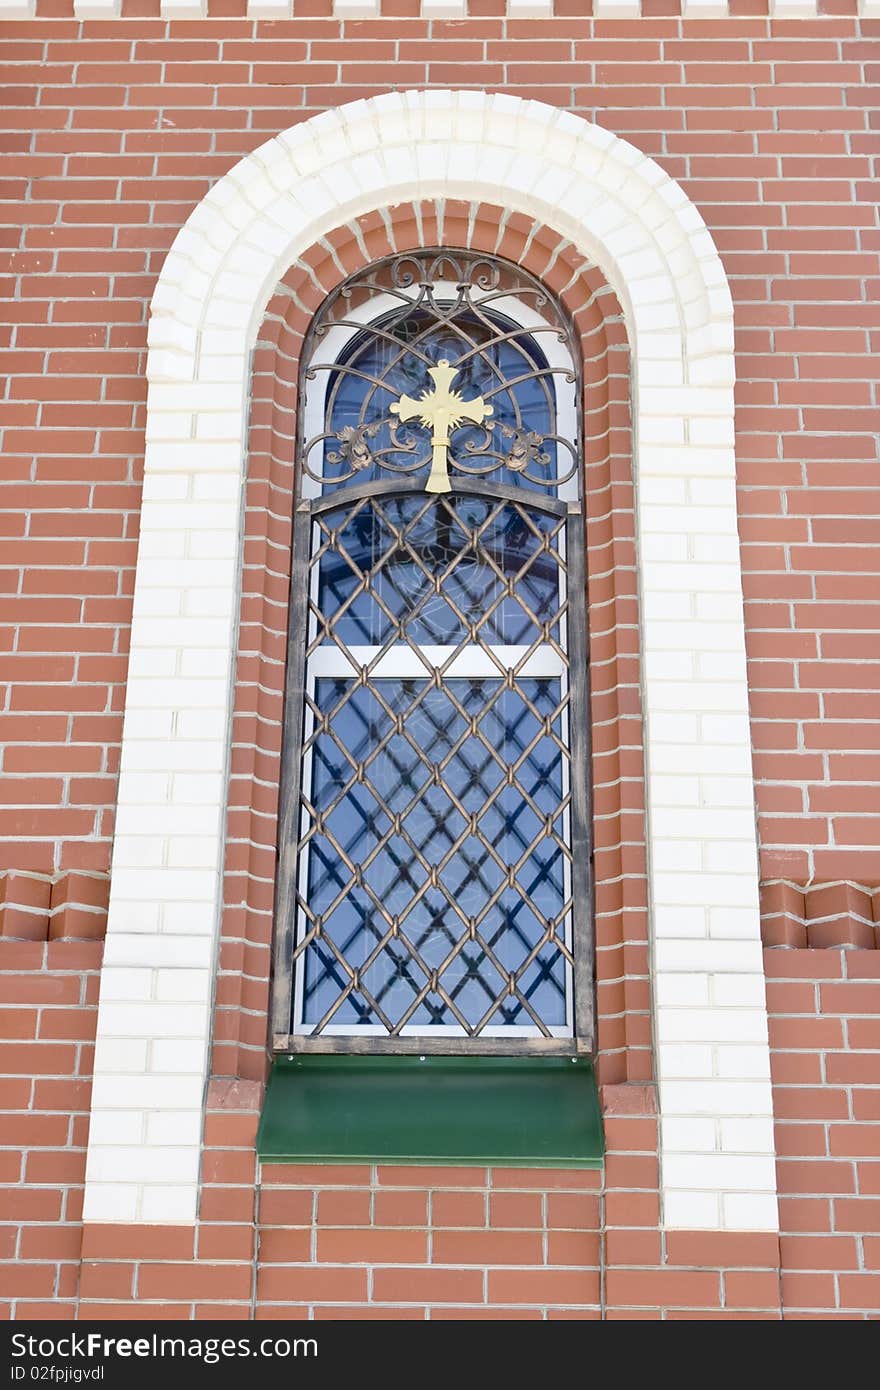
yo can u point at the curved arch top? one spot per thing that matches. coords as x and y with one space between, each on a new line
619 210
617 206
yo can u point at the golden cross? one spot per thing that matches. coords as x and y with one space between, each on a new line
441 411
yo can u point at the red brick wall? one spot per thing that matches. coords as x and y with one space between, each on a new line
413 1242
48 999
114 131
825 1059
504 1243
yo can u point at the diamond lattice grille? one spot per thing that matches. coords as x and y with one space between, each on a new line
434 885
434 869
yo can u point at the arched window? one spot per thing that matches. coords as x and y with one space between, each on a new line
434 882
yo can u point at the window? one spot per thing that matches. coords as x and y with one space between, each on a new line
434 885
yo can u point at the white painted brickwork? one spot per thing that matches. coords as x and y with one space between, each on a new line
97 9
444 9
794 9
530 9
353 9
430 9
269 9
183 9
623 213
616 9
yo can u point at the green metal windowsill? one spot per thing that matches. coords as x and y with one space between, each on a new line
535 1112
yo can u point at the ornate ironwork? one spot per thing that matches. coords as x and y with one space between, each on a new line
441 410
434 866
439 308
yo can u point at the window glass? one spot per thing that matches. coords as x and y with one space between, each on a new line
428 885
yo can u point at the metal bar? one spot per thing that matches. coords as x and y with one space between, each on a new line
426 1045
291 774
462 487
581 785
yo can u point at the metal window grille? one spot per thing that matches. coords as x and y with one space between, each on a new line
434 885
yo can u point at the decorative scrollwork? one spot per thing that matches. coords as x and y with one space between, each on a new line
525 448
405 271
353 447
378 341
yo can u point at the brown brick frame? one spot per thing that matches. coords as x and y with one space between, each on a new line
618 759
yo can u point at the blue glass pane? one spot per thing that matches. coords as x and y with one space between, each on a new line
391 359
409 863
442 567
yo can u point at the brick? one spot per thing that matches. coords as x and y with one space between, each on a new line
868 1177
577 1179
371 1246
666 1288
860 1291
854 1141
573 1248
864 1033
286 1207
316 1175
572 1211
281 1246
623 1209
722 1249
114 1280
222 1242
810 1215
811 1177
458 1209
819 1252
426 1285
544 1286
393 1176
866 1104
757 1289
806 1033
486 1247
336 1208
857 1215
21 1281
229 1130
809 1103
46 1058
401 1208
523 1210
315 1284
194 1280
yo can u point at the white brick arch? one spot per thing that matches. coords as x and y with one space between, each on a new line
625 214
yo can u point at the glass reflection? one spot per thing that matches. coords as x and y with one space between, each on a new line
386 811
498 572
392 358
